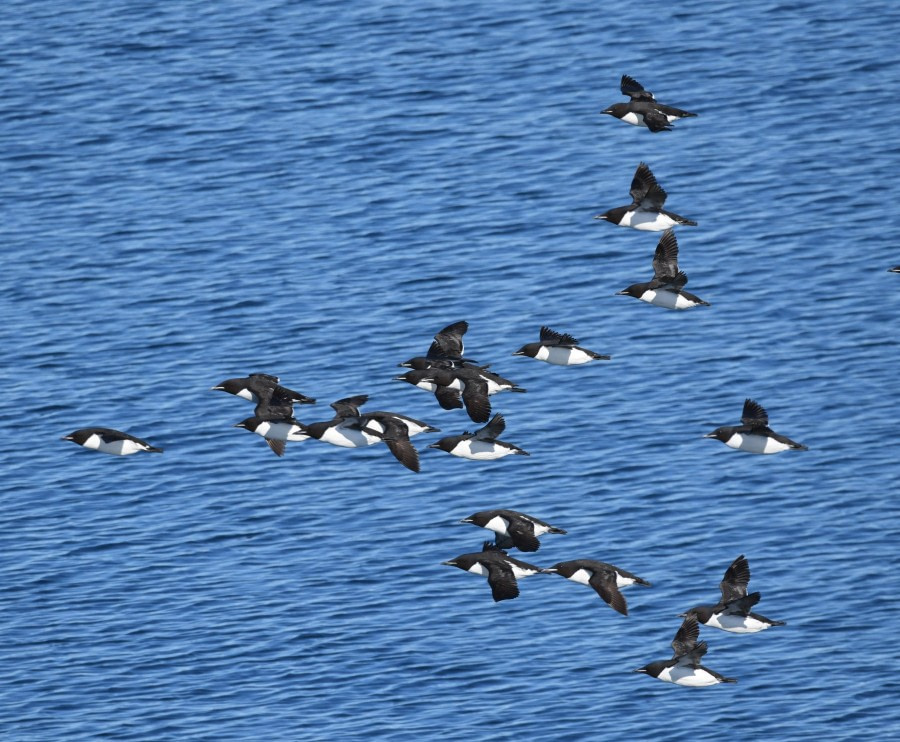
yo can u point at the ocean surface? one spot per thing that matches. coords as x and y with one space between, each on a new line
194 191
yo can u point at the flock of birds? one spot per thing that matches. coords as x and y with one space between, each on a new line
458 382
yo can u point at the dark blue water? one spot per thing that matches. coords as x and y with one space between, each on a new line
193 191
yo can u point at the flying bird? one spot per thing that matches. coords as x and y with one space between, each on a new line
482 444
560 349
667 287
502 571
684 668
643 109
512 528
606 579
107 440
733 611
754 434
645 212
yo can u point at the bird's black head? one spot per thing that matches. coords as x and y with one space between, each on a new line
529 349
231 386
722 434
653 669
617 109
636 290
248 423
446 444
701 612
613 215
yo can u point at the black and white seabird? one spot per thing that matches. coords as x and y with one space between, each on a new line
481 445
513 528
447 397
606 579
559 349
501 570
684 668
732 613
445 351
643 109
645 212
667 287
107 440
275 430
350 428
754 434
264 389
462 385
395 433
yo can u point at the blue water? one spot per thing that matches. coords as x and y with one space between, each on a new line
193 191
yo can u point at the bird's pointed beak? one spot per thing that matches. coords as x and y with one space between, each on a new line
464 520
66 438
549 570
601 216
433 445
710 435
450 563
623 292
640 669
608 110
216 388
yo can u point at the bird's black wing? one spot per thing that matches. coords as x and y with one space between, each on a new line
551 337
742 606
754 414
448 343
349 406
493 429
633 89
276 446
502 581
686 637
655 119
448 398
604 582
522 534
645 191
737 577
665 259
475 398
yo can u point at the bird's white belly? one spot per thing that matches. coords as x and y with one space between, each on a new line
278 431
562 356
116 448
737 624
666 299
478 569
480 450
581 576
756 443
498 525
647 221
347 437
635 119
688 676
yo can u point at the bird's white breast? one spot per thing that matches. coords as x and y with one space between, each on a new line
478 569
278 431
581 576
647 221
688 676
473 448
562 356
666 299
635 119
124 447
756 443
348 437
498 525
736 624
